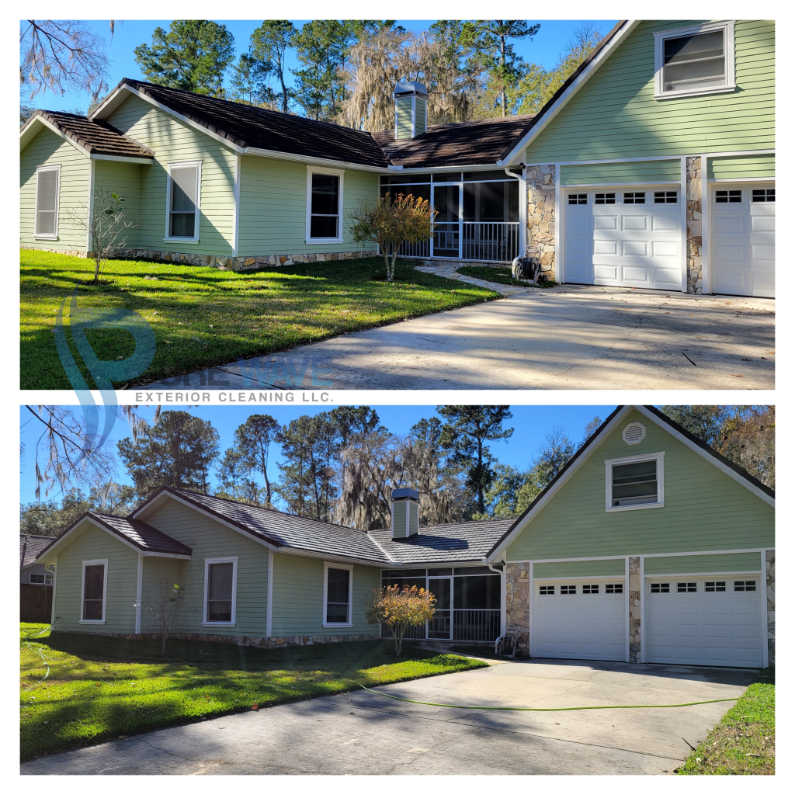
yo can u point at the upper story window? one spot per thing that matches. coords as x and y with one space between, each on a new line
694 60
48 183
634 482
184 186
324 206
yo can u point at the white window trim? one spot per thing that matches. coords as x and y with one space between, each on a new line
197 214
57 169
320 241
207 563
632 459
326 566
728 53
103 562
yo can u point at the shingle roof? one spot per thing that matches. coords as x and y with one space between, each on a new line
96 137
30 546
466 143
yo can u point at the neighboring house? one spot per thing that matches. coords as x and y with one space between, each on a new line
648 547
30 572
603 186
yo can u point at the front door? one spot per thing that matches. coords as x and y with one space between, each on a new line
440 626
447 227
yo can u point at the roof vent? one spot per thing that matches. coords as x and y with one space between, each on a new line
405 513
634 433
411 109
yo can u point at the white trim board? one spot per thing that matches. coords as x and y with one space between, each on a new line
341 566
184 164
233 613
332 172
99 562
56 167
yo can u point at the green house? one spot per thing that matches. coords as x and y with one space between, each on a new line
648 547
653 166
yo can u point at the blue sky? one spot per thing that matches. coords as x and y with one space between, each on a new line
531 424
544 49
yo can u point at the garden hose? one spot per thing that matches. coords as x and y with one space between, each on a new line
547 709
39 652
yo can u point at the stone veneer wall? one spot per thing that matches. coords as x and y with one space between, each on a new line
69 253
694 237
634 610
517 603
541 217
770 572
241 640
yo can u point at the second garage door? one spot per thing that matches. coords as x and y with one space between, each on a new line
580 620
624 238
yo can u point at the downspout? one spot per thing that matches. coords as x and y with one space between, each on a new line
139 594
269 605
503 599
522 207
54 569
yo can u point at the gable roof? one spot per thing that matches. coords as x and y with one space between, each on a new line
91 137
29 548
608 426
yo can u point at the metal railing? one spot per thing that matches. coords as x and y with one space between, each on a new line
476 625
420 250
496 241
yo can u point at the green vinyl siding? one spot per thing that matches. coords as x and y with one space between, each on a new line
399 513
172 141
581 568
693 564
125 180
404 117
159 575
210 539
49 149
273 206
92 543
298 597
704 509
614 115
414 518
622 173
421 108
756 166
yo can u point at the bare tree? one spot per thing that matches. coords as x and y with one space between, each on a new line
164 602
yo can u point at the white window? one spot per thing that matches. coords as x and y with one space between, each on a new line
666 197
694 60
94 591
614 587
634 482
324 206
744 585
590 589
220 591
715 586
568 590
763 195
578 198
728 196
661 587
48 187
604 198
337 595
686 587
40 579
547 590
635 197
182 200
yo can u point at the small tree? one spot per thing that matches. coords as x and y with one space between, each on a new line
106 223
164 601
391 221
400 609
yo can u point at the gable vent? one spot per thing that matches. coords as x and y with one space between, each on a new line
634 433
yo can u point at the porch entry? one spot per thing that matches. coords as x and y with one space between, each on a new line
477 214
467 602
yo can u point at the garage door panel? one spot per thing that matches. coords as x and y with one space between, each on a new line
609 247
664 248
634 248
605 222
666 223
634 222
763 224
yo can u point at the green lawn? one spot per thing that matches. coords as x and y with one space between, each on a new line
498 275
203 317
744 742
100 688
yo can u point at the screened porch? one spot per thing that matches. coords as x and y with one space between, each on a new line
477 214
467 602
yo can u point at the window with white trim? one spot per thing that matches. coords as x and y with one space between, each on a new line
568 590
338 592
666 197
661 587
686 587
614 587
220 590
635 482
324 206
604 198
763 195
715 586
728 196
578 198
94 591
48 187
40 579
547 590
744 585
635 197
694 60
184 187
590 589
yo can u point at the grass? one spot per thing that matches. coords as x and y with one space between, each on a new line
101 688
744 742
203 317
499 275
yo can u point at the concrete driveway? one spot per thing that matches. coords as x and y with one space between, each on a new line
365 734
567 337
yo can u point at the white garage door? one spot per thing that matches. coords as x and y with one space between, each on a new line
704 621
579 620
744 240
624 238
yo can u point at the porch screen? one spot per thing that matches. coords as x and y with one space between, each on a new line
46 201
219 591
93 588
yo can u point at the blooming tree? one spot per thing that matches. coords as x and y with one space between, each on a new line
400 609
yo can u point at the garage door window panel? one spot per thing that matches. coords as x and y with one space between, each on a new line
635 482
744 585
666 197
728 196
635 197
568 590
604 198
614 588
762 195
660 587
546 590
578 198
717 586
687 587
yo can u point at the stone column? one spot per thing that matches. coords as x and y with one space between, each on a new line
541 217
694 239
634 609
770 567
517 602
